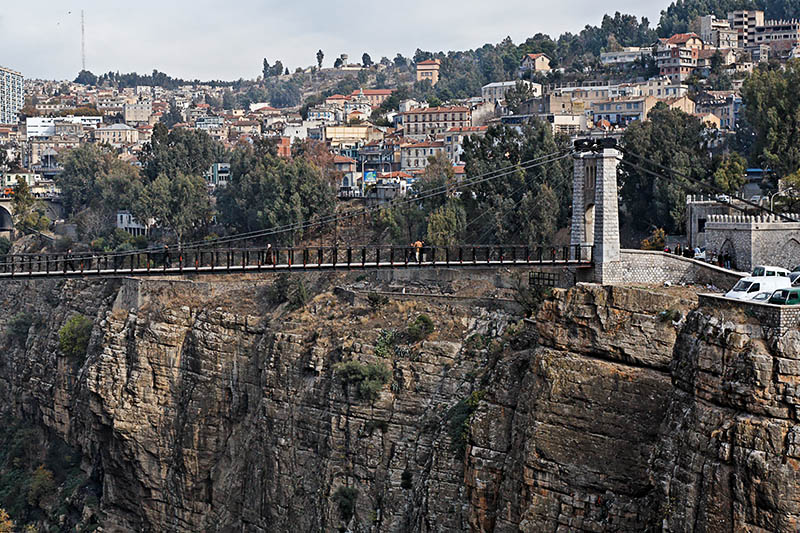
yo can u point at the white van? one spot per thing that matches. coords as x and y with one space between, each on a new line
747 288
763 270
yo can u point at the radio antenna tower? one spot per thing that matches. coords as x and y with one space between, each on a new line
83 42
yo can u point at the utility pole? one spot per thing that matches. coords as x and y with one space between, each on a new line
83 42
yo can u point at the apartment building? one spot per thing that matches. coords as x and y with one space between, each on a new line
626 56
534 63
725 105
623 111
744 22
419 123
677 56
46 126
496 92
12 95
454 140
782 36
414 157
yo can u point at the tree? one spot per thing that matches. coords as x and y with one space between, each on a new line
179 202
447 224
320 57
366 61
771 108
94 177
6 524
266 70
28 211
400 61
184 151
85 77
268 191
676 140
731 173
338 63
277 68
521 92
74 335
172 117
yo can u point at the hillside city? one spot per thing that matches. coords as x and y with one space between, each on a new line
109 152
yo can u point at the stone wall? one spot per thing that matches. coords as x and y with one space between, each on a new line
754 240
650 267
778 319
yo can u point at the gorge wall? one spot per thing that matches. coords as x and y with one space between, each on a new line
220 406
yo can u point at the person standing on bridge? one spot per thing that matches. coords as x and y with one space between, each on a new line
167 260
418 249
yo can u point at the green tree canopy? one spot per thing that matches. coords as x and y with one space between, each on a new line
731 172
266 191
179 202
676 140
28 211
772 109
189 152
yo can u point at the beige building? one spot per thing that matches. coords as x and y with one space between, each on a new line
535 63
344 137
138 113
419 123
744 23
117 135
414 157
429 70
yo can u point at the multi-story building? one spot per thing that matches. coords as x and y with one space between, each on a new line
496 92
454 140
677 56
419 123
744 23
782 36
375 97
46 126
534 63
12 95
429 70
626 56
117 135
414 157
718 33
137 113
623 111
725 105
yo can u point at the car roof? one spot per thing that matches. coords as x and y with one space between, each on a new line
767 267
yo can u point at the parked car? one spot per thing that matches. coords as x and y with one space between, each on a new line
723 198
794 277
786 297
749 287
763 270
762 297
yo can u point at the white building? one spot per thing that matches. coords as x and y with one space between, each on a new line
625 56
46 126
495 92
12 95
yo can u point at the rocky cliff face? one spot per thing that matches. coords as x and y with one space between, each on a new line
219 407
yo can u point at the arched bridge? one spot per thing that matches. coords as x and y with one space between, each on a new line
211 260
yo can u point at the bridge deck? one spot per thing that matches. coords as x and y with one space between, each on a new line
225 261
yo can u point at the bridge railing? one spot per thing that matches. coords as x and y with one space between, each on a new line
245 259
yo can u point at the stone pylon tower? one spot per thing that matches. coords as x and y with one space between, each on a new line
595 210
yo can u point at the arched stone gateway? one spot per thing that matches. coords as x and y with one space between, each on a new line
6 221
595 209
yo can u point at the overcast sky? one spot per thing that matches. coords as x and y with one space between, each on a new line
228 39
